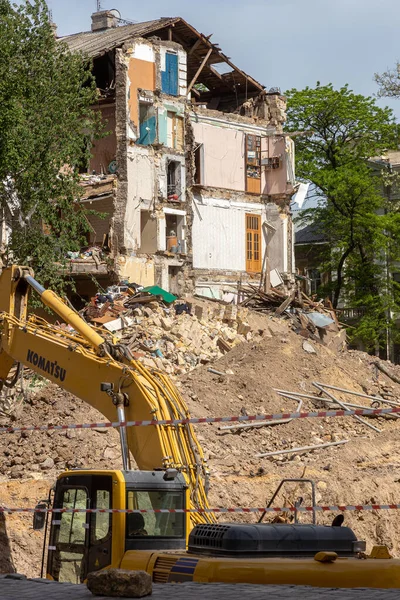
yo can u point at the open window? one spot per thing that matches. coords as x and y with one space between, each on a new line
253 164
174 181
175 131
175 225
147 124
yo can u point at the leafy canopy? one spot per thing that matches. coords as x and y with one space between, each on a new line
45 117
354 212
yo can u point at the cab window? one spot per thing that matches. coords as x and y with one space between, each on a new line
166 525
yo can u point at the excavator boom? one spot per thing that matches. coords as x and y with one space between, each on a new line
105 376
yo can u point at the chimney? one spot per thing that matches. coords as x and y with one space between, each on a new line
102 20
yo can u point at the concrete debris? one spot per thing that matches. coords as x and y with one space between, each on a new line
120 583
309 348
172 338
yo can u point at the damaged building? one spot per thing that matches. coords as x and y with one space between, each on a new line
195 178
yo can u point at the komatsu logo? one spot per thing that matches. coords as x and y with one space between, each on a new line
52 368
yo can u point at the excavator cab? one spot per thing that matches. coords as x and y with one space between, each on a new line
81 542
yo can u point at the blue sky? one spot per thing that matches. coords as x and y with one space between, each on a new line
282 43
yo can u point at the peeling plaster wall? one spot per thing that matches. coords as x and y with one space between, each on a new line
136 270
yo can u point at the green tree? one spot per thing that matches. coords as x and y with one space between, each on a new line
345 131
45 117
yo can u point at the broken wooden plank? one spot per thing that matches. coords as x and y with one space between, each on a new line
285 304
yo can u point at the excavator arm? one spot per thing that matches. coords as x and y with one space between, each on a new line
104 375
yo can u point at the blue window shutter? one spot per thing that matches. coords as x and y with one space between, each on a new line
147 132
169 77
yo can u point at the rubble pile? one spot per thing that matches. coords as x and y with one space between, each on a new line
168 335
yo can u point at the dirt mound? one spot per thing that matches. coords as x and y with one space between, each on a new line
364 470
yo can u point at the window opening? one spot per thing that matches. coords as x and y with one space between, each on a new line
253 243
314 275
175 132
171 525
147 124
198 164
174 188
102 521
253 164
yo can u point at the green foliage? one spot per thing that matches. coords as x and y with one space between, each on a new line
45 116
354 211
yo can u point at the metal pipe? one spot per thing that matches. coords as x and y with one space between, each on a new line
50 299
126 461
378 398
254 424
302 449
295 395
260 423
344 407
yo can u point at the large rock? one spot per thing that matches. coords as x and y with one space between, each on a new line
120 583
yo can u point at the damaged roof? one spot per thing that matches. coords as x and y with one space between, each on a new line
198 48
96 43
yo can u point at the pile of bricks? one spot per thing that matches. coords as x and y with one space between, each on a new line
176 343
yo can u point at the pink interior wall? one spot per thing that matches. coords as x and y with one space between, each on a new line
223 156
273 181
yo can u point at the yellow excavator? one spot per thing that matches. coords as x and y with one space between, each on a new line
171 475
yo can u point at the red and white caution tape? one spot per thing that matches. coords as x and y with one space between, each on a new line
321 414
271 509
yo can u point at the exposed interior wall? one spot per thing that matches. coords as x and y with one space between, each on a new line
223 156
141 192
142 75
274 171
136 270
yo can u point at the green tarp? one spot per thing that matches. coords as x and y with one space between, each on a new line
154 290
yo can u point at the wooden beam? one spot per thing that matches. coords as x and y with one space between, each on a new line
195 46
199 70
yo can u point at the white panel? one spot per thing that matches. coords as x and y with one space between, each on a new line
218 238
143 52
162 233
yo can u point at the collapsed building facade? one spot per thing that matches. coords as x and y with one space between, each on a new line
196 175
